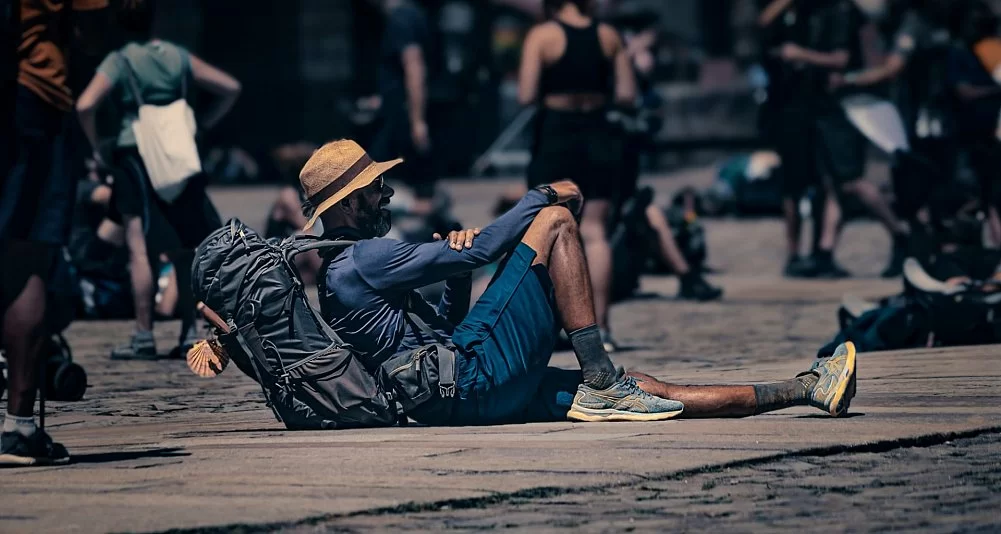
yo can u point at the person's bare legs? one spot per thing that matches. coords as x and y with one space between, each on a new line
668 247
23 334
599 256
555 238
830 223
793 224
870 196
140 272
693 286
994 225
731 401
141 345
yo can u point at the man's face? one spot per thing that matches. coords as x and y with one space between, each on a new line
369 211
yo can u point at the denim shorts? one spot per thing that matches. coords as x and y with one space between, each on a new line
505 344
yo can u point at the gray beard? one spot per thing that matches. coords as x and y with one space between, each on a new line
377 222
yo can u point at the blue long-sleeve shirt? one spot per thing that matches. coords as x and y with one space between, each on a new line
366 286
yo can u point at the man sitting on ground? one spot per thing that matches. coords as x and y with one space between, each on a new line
504 343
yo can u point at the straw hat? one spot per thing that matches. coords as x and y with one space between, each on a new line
333 172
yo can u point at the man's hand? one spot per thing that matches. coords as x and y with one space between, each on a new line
420 136
568 193
459 239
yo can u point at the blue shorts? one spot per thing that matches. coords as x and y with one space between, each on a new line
505 344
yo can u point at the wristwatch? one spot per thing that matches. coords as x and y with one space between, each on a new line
550 193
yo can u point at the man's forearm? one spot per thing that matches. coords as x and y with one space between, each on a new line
389 264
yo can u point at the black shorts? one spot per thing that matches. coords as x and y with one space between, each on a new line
578 146
37 190
191 216
814 145
394 140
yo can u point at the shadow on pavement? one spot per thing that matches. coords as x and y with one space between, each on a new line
122 456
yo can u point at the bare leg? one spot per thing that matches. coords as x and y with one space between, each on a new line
555 238
553 235
830 222
731 401
794 224
876 204
669 251
140 272
23 334
599 256
994 224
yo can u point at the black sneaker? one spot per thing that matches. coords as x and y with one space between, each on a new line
698 289
800 267
141 346
38 449
830 270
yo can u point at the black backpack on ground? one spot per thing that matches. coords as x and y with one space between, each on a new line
311 378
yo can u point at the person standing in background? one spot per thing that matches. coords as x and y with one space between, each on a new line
36 201
575 68
978 107
403 88
917 65
160 71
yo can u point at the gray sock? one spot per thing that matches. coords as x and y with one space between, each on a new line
795 392
599 373
22 425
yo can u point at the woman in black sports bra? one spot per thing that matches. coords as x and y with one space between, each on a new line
574 68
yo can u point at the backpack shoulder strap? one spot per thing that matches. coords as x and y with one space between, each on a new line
131 75
420 326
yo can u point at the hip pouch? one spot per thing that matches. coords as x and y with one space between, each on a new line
423 381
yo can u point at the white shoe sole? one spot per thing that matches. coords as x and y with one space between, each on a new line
597 416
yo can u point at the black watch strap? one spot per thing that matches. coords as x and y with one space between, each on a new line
550 193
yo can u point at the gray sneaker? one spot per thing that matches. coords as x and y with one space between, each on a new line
141 346
622 401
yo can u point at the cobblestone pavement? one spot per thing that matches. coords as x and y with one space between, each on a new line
948 487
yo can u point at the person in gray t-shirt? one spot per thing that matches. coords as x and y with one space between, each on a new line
161 72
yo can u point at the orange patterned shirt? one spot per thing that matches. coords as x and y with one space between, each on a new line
44 34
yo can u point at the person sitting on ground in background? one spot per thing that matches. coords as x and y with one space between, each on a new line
160 71
504 343
644 241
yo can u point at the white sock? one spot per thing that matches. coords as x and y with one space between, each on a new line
23 425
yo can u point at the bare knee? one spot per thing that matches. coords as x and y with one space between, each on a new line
26 314
556 219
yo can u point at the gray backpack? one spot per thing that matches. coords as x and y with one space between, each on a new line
310 377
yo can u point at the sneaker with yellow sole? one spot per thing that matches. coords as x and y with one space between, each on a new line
835 385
